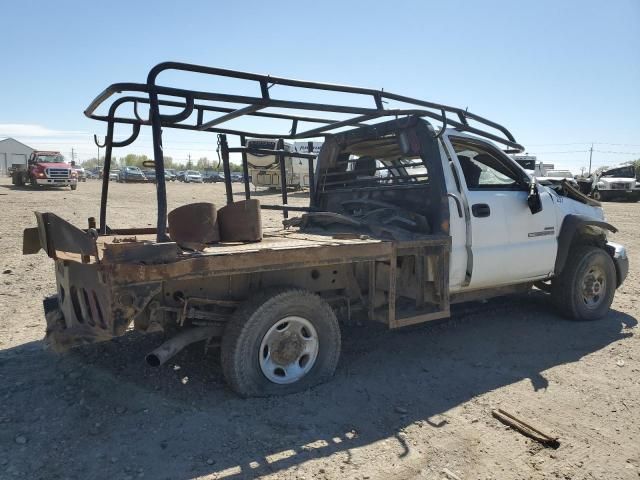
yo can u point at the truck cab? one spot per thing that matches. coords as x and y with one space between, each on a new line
499 225
496 213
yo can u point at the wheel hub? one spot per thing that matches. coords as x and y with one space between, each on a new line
288 350
593 287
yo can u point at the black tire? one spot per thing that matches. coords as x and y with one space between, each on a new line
597 195
242 339
567 290
73 187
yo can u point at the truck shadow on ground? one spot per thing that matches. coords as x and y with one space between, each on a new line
99 412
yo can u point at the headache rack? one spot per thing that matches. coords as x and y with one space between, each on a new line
194 105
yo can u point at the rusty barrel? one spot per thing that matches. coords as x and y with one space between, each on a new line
194 225
240 221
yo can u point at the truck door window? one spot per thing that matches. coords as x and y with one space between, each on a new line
485 170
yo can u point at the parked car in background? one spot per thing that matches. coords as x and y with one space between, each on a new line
170 174
114 175
555 177
237 177
212 177
91 175
151 175
80 173
131 174
192 176
96 172
180 176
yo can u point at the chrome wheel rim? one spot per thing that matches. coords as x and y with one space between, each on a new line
288 350
594 286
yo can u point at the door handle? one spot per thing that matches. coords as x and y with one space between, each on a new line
480 210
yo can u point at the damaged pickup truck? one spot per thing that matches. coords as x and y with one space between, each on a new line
403 220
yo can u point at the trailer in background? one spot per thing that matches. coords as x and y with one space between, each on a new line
531 165
264 168
301 166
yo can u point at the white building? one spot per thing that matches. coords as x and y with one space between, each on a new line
13 152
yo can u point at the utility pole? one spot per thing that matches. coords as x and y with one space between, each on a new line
590 155
73 155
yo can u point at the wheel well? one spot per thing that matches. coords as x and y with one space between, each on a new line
578 230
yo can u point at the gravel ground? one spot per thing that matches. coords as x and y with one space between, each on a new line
414 403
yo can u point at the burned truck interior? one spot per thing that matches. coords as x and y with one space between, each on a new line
374 238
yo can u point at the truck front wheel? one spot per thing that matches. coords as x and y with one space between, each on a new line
279 342
597 196
73 186
585 289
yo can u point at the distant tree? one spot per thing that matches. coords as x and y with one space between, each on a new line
91 163
133 160
202 163
169 163
601 169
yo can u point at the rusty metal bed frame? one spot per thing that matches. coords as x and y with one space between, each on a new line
198 103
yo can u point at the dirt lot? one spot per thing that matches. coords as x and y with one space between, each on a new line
414 403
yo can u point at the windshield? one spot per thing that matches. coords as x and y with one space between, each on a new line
49 159
625 172
191 172
133 169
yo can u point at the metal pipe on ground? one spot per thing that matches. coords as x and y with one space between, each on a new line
175 344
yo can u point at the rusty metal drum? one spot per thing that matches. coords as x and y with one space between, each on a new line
240 222
194 225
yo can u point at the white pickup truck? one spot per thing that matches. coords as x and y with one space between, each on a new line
403 220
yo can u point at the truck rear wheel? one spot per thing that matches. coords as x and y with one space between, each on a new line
279 342
585 289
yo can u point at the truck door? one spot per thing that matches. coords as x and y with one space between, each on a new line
509 244
459 217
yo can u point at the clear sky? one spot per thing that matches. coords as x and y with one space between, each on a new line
558 74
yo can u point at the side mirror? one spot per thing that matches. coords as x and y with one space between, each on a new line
535 204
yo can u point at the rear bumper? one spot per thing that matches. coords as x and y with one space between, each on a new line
620 259
90 306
